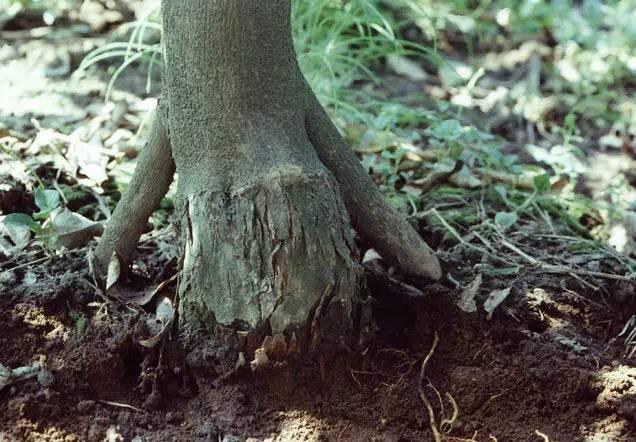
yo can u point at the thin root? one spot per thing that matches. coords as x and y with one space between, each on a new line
431 414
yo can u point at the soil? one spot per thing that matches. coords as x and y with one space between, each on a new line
546 362
546 366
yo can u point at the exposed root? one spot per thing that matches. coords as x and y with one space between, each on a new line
429 408
372 216
152 178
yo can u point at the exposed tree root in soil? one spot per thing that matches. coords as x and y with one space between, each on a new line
429 408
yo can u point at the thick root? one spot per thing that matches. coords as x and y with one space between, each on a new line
372 217
276 256
152 178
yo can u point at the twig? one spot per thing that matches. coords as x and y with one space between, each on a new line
121 405
458 237
28 264
552 268
542 435
429 407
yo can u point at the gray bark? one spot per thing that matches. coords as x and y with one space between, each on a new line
267 238
267 243
153 174
373 218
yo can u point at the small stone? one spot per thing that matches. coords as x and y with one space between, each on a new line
231 438
8 278
45 378
84 407
173 417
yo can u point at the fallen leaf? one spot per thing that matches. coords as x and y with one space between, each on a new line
164 315
467 297
18 227
371 255
145 297
114 271
495 298
88 158
72 230
405 67
260 361
165 311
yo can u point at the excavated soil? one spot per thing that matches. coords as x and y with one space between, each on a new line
546 366
546 363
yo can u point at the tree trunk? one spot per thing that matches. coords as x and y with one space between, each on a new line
267 239
268 243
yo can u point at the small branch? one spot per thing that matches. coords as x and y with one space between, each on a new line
552 268
387 289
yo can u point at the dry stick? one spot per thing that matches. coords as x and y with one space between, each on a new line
374 219
420 388
27 264
120 405
552 268
153 174
458 237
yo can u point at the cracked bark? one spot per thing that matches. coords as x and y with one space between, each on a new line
266 183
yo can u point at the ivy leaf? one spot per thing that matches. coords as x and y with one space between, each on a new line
20 220
506 219
446 130
501 191
47 200
18 227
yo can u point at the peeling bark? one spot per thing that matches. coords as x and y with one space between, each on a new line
267 239
267 242
267 254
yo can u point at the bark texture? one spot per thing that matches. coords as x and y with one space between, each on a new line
267 243
273 251
372 217
153 174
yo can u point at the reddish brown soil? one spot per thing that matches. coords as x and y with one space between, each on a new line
546 363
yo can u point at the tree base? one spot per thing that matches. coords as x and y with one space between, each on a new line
276 256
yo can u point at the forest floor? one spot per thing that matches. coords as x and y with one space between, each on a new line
527 324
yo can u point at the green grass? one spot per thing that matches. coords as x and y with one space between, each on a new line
340 45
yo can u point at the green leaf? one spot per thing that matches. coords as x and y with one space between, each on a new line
541 183
47 200
501 191
21 220
446 130
506 219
